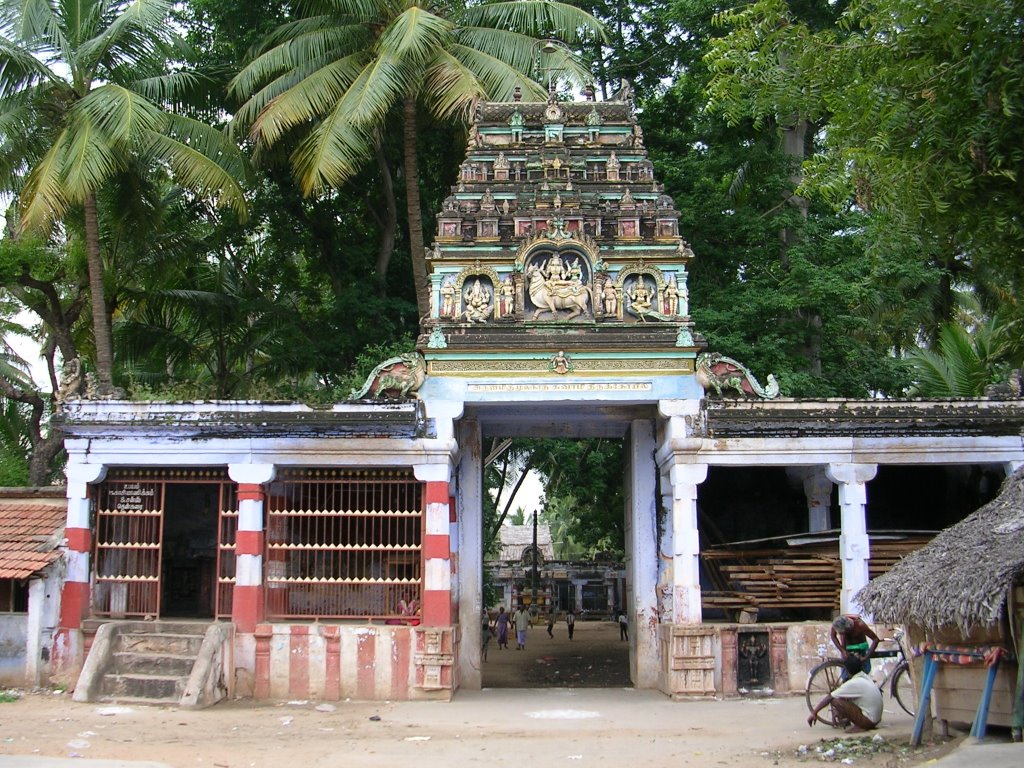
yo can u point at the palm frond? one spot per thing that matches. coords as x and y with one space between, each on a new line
43 198
309 99
91 158
170 89
449 87
19 69
537 18
122 116
313 43
203 160
131 34
334 151
414 35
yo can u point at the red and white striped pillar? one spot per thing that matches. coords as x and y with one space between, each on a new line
247 606
437 547
74 601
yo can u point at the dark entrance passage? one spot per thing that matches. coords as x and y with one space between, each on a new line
189 577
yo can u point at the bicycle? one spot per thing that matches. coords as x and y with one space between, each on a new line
827 676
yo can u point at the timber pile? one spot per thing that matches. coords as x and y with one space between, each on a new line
795 577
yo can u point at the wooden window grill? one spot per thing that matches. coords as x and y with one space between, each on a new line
128 509
227 535
129 527
343 544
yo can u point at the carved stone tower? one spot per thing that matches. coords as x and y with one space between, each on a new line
557 252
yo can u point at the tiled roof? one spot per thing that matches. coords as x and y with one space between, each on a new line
30 535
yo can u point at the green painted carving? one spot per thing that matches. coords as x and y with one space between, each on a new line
719 374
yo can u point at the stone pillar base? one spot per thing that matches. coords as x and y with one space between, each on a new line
687 660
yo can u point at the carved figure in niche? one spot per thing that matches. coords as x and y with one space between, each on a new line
508 293
504 207
610 297
752 651
477 303
672 296
448 298
549 296
640 298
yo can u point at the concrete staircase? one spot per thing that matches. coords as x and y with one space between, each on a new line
162 663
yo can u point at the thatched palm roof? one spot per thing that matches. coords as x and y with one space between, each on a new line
961 578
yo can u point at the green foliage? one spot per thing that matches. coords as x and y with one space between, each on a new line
964 362
806 311
923 109
583 492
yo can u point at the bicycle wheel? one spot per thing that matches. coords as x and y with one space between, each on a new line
902 688
823 679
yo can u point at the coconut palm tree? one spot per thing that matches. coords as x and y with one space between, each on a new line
85 88
342 68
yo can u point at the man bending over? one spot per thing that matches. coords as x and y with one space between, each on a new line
857 701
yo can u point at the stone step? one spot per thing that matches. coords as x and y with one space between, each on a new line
137 702
175 644
127 662
163 689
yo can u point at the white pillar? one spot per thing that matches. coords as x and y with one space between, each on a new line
686 600
469 501
854 544
641 598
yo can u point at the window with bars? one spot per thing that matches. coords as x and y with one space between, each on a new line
344 544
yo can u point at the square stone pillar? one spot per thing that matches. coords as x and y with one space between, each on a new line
854 543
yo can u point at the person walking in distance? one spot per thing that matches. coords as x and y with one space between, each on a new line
570 621
551 622
522 623
501 623
623 625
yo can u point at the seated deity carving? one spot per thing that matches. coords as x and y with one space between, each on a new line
477 303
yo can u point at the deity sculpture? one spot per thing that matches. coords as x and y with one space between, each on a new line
507 300
610 297
672 296
477 302
448 299
640 298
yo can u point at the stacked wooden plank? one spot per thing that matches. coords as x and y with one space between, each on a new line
792 577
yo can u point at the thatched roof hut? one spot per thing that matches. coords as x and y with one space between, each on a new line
962 578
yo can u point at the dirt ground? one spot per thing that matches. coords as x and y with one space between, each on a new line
594 658
548 717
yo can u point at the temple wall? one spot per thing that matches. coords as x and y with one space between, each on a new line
333 662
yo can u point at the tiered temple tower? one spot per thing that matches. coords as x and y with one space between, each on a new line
557 250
